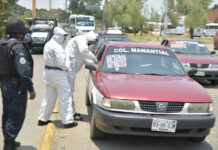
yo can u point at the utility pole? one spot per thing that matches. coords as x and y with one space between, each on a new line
165 21
66 11
50 4
33 9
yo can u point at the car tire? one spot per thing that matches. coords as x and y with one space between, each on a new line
198 139
95 133
214 82
87 98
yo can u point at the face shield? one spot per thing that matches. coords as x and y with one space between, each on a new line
60 35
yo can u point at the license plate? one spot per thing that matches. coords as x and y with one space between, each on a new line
200 73
163 125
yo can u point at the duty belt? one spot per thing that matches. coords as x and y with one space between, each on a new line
53 68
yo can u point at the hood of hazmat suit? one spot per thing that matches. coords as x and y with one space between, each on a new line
60 35
91 36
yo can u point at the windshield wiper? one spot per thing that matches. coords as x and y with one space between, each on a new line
180 52
156 74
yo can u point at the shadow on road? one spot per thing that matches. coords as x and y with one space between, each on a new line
149 143
26 148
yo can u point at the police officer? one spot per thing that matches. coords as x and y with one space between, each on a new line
16 85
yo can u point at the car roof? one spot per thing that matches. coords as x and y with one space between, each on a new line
134 44
175 39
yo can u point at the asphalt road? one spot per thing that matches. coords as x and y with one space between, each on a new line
78 138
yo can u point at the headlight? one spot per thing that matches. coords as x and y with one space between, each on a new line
199 108
118 104
213 66
186 66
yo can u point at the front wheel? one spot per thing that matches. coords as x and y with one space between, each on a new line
95 133
87 98
214 82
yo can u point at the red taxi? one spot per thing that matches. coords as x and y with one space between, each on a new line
140 89
215 41
194 54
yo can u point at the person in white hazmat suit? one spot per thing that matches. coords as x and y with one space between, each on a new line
57 84
78 54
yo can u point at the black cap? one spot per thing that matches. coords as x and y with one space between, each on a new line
15 26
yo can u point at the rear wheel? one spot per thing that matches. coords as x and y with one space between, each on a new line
95 133
87 98
214 82
198 139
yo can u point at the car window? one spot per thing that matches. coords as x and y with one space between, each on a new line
104 39
189 47
134 60
100 52
41 29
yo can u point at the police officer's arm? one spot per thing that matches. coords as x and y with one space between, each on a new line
23 68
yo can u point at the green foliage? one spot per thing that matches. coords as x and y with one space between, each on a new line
197 15
125 13
6 10
78 7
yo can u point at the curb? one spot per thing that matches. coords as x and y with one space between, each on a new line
47 137
48 134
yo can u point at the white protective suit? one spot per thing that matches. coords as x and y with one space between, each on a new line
57 84
78 54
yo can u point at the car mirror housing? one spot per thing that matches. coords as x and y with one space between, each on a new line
192 71
213 52
91 67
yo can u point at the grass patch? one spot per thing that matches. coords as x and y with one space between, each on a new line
158 39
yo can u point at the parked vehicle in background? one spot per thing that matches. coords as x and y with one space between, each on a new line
113 31
198 32
108 37
81 24
194 54
141 89
215 41
210 29
43 20
180 29
40 34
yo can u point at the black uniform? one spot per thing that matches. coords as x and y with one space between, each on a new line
14 90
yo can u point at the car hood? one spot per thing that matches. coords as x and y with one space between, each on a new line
39 34
153 88
197 59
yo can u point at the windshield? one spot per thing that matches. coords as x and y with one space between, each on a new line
41 28
189 47
133 60
84 21
104 39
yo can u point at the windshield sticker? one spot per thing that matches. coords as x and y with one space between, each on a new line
126 50
178 45
201 45
187 42
116 61
149 51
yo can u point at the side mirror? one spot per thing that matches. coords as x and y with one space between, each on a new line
91 67
29 31
192 71
213 52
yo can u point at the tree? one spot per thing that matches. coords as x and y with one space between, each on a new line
6 10
125 13
197 14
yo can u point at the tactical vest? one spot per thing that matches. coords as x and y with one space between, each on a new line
7 66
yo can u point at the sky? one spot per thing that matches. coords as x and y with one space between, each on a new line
156 4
